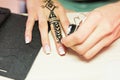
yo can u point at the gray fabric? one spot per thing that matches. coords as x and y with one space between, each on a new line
4 14
16 57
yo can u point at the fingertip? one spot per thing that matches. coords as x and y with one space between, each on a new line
28 38
28 30
87 56
61 51
91 54
47 49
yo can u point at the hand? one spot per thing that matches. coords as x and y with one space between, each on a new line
99 30
37 12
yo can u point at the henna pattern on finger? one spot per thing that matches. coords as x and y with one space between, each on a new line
56 24
49 5
53 20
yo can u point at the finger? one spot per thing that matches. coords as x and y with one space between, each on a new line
60 48
86 28
63 18
92 52
29 27
56 31
99 33
43 27
103 43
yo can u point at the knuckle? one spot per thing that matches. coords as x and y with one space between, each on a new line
29 20
108 30
42 21
28 29
79 50
97 14
78 39
67 45
114 35
28 33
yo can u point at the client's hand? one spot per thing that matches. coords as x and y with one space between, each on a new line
99 30
40 10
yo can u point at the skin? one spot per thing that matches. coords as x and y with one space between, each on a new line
99 30
36 12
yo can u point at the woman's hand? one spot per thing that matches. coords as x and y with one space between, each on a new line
38 11
99 30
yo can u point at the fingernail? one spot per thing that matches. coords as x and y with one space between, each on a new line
47 49
27 40
61 51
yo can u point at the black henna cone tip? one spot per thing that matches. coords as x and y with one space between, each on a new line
71 29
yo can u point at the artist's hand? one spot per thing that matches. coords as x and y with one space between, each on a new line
99 30
37 12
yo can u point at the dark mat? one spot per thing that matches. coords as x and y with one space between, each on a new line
16 57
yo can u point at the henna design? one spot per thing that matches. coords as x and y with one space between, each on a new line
57 26
49 5
53 20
